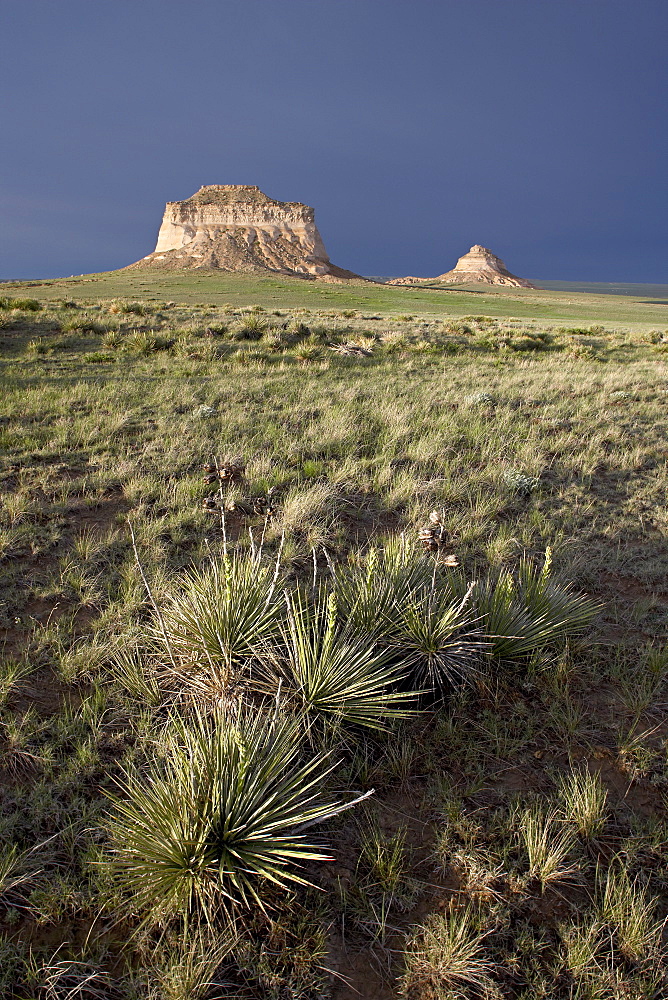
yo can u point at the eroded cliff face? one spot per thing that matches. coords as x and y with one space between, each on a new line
235 227
478 265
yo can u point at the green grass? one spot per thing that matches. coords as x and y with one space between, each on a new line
275 292
515 839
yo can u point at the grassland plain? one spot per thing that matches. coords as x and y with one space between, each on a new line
515 844
563 308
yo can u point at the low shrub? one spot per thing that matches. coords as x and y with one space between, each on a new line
582 331
481 399
532 342
252 328
27 305
582 352
520 483
457 326
130 308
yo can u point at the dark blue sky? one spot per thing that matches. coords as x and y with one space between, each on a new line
415 127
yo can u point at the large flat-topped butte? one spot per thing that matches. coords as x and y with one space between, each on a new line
478 265
236 227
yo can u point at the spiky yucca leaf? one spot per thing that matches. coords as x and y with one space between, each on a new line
128 666
512 630
220 617
389 577
336 674
219 815
439 638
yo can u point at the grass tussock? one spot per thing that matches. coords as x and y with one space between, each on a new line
446 956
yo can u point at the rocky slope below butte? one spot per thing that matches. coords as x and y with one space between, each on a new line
478 265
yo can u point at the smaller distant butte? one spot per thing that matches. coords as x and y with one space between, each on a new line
478 265
236 227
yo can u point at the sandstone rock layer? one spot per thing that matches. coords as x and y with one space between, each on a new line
235 227
478 265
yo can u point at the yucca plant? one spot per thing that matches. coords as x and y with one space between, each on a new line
529 610
337 675
219 819
251 328
445 956
218 620
369 592
543 594
439 638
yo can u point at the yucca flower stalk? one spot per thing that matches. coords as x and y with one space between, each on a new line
337 675
219 817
